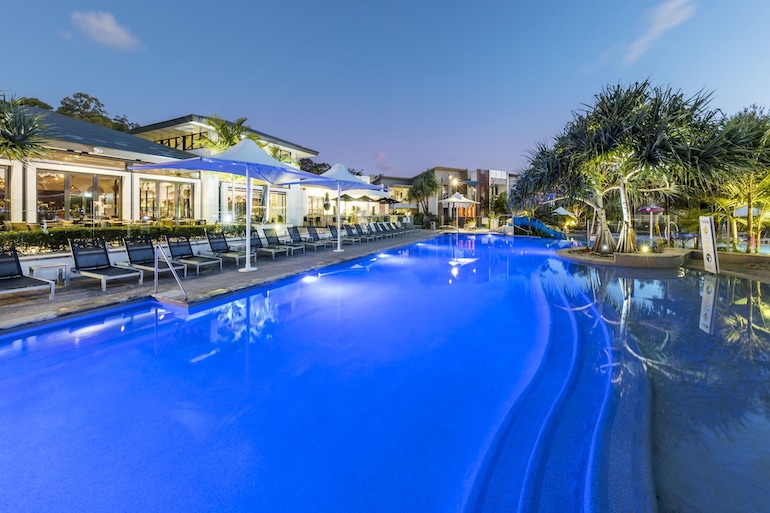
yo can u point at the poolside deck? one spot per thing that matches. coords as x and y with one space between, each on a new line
85 295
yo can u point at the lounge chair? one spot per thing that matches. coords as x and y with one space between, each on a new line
273 240
364 236
296 238
317 238
12 279
343 239
221 249
373 233
351 233
382 231
182 253
257 246
389 229
92 261
141 255
396 229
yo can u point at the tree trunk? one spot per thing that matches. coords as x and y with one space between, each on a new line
627 238
604 242
750 222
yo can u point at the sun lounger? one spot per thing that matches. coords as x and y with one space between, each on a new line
296 238
221 249
273 240
181 252
382 231
364 236
258 246
343 239
12 279
351 234
92 261
317 238
373 233
141 255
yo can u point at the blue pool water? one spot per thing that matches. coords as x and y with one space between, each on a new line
467 373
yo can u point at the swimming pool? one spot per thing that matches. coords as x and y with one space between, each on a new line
467 373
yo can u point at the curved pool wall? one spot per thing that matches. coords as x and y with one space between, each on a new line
467 373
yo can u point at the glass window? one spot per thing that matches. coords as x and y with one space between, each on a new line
315 205
236 212
165 200
277 207
50 196
70 196
148 192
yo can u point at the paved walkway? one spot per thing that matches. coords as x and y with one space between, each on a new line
85 294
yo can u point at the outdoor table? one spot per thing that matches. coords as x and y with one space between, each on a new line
63 271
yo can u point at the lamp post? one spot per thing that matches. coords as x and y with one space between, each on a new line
454 190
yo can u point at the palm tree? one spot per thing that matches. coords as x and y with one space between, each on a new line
21 138
749 184
228 134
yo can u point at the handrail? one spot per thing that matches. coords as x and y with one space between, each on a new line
159 250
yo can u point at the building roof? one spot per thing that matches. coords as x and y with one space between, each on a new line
75 135
392 180
194 123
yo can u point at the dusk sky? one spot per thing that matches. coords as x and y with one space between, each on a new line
389 88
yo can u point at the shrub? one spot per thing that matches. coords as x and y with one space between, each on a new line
57 239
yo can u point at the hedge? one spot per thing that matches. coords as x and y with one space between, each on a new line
57 239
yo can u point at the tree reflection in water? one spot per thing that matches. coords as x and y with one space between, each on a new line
711 391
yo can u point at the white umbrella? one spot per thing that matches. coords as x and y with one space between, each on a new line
352 185
457 200
245 159
561 211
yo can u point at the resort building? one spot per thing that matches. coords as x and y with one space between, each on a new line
478 185
85 179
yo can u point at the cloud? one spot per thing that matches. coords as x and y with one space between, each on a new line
663 18
381 165
102 28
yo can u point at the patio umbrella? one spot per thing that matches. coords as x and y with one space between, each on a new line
561 211
388 201
651 209
353 185
457 200
245 159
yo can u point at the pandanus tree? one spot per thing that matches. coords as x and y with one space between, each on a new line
561 173
653 140
634 140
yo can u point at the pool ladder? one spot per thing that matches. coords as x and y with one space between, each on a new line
159 251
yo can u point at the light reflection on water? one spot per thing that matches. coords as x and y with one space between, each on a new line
705 345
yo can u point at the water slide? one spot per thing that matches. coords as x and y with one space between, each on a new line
529 223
